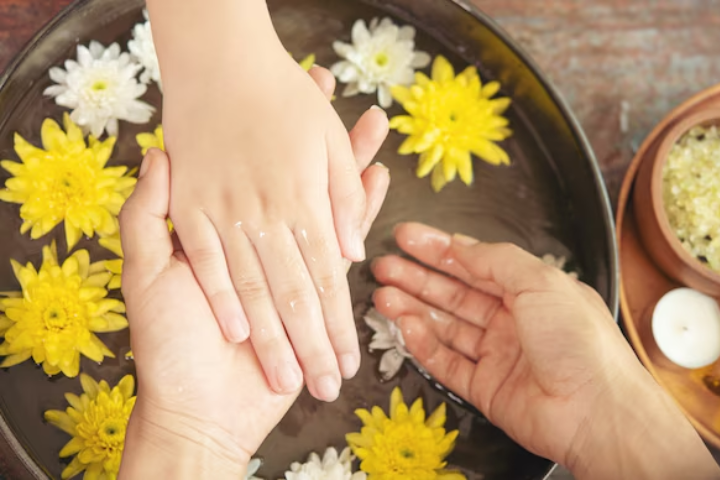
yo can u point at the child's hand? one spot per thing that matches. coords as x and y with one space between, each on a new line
204 405
267 202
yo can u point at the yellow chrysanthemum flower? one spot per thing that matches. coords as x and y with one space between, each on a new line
55 317
97 421
148 140
450 118
67 181
113 244
405 445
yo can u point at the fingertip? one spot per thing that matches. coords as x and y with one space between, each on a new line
384 268
349 365
288 379
325 388
324 80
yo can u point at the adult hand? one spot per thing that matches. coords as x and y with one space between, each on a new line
204 405
538 353
266 197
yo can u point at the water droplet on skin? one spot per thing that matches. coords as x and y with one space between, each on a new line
262 234
447 262
304 235
238 225
320 289
292 305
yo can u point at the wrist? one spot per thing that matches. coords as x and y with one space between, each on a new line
627 439
197 43
161 444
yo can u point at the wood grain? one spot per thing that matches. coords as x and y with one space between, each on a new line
621 64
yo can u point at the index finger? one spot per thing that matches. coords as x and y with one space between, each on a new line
497 269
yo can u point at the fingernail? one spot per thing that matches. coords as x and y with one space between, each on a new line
146 164
348 365
238 329
289 378
379 164
464 240
327 388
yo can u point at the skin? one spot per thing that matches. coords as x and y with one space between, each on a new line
538 353
266 221
204 404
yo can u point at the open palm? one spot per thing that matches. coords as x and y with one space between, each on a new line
529 346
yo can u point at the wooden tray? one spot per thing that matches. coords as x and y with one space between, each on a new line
642 284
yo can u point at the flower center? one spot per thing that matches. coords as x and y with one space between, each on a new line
407 453
56 318
382 59
112 432
99 85
408 449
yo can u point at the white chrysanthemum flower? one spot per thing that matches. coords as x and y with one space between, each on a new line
389 338
142 48
378 58
252 469
100 88
330 467
557 262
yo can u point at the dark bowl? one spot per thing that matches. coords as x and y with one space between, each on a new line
550 200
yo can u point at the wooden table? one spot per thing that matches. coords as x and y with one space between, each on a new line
621 64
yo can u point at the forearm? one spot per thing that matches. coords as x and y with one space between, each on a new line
153 451
639 433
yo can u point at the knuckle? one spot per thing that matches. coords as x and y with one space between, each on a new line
296 300
203 258
251 288
328 285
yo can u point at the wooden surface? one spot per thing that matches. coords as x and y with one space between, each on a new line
621 64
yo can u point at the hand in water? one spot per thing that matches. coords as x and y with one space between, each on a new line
533 349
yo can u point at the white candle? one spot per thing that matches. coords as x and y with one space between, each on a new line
686 327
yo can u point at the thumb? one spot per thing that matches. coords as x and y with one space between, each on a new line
146 240
347 195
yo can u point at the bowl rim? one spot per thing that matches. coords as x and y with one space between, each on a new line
577 132
669 140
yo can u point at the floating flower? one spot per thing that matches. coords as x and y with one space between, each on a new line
405 445
100 88
557 262
55 317
378 58
389 338
450 118
329 467
142 49
97 421
149 140
67 181
252 469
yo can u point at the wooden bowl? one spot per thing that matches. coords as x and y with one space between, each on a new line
643 283
657 236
